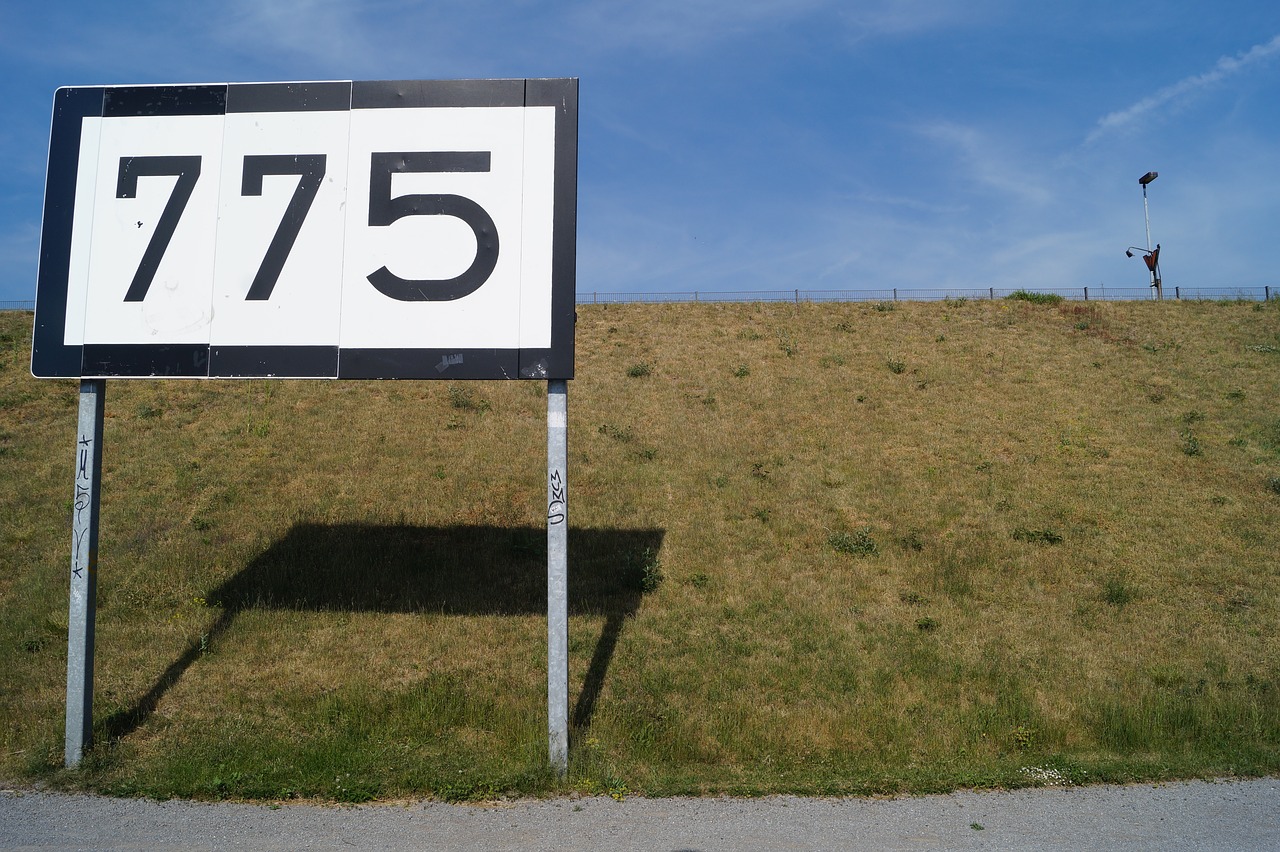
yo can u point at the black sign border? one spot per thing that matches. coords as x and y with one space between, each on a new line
52 358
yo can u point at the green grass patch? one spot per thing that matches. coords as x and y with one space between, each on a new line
1037 536
1035 298
856 543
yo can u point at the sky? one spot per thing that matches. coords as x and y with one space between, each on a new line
742 145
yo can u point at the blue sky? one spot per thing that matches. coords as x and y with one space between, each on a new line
777 144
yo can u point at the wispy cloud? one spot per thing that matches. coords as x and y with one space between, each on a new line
1225 67
683 25
987 163
298 29
917 205
900 17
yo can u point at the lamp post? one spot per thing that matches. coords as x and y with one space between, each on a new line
1150 256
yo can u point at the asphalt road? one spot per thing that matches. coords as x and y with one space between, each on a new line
1219 816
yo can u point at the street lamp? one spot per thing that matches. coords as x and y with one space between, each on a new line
1151 257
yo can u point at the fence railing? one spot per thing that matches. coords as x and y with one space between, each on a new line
894 294
900 294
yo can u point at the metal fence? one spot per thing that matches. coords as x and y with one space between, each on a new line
896 294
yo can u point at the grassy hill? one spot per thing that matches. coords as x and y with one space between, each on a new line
834 548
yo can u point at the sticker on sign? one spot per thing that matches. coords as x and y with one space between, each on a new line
393 229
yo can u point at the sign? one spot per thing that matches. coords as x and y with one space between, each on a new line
361 230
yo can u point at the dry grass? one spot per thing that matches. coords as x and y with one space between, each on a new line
333 590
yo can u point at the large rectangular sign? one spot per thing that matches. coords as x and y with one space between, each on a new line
421 229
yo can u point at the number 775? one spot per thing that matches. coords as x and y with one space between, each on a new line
384 209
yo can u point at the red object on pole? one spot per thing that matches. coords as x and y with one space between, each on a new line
1152 259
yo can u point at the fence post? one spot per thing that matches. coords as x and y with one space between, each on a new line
1266 290
895 294
1177 294
1086 294
991 291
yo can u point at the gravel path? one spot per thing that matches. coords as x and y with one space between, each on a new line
1218 816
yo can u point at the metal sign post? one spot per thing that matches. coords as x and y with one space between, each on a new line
84 571
558 575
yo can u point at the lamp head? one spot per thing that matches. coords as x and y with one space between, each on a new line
1128 253
1148 177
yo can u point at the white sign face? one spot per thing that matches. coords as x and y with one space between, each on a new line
326 230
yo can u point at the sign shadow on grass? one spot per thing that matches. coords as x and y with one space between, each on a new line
457 570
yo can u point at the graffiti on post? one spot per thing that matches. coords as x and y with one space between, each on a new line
84 498
557 504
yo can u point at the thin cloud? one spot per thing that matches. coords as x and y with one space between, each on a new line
685 25
1225 67
901 17
914 204
988 164
312 29
681 24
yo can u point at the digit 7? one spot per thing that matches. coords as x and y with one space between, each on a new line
310 170
187 170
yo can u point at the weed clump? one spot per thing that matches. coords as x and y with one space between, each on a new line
1273 485
651 575
1035 298
1190 443
463 398
1117 592
624 434
896 366
857 543
643 570
1034 536
639 371
1270 437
